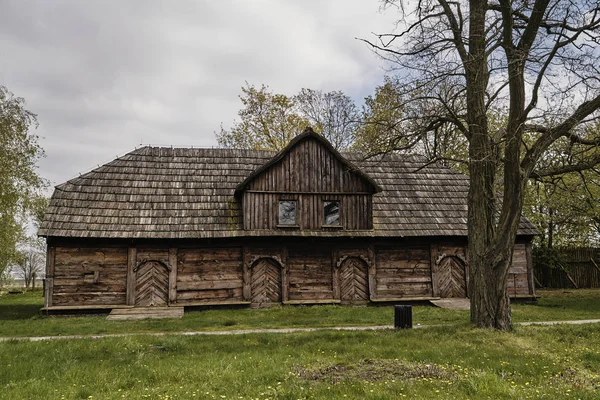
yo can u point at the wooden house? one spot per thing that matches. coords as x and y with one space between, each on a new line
188 227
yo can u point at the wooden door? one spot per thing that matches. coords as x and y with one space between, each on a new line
354 282
266 282
152 285
452 280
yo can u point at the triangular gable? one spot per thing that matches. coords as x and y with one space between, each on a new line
309 135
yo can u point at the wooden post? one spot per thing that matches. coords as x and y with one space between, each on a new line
51 254
173 275
530 280
335 276
131 260
246 285
285 285
372 273
433 252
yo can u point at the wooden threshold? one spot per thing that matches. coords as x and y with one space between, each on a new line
211 303
90 307
137 313
326 301
390 299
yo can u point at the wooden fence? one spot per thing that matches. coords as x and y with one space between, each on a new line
576 268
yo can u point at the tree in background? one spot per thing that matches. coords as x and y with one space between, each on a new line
538 60
30 259
333 114
566 207
20 184
268 121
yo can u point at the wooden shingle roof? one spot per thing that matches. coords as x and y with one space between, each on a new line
156 192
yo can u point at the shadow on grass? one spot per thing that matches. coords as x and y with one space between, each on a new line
19 311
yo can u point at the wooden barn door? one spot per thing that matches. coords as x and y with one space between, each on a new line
265 282
152 285
452 280
354 282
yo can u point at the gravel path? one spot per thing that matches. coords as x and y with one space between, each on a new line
248 331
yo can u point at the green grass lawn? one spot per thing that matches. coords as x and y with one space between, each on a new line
20 316
453 361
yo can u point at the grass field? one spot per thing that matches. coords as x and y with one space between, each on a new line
20 316
453 361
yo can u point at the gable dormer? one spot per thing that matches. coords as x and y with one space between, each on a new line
307 186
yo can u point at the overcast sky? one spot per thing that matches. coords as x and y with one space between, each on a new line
107 76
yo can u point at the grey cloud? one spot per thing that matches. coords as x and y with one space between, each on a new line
104 76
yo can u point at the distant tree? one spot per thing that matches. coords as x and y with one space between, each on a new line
30 259
268 121
333 114
381 118
20 184
539 60
566 207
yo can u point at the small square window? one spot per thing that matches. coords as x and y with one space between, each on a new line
287 212
331 213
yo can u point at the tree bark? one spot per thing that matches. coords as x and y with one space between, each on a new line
488 262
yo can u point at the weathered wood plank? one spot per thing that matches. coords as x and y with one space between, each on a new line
529 257
173 275
433 250
50 265
131 263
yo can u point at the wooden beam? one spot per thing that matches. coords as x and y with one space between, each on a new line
131 260
173 275
372 273
530 277
433 251
50 257
285 280
246 284
335 274
308 193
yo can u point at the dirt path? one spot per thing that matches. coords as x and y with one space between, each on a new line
250 331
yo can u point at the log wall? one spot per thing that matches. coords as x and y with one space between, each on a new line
520 273
89 276
81 276
209 275
310 274
403 272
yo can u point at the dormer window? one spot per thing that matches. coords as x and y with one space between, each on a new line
331 213
287 212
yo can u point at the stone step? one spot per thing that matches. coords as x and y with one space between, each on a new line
126 314
461 304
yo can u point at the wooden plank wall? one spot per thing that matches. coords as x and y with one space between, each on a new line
261 210
518 282
215 275
209 275
309 167
73 264
582 264
403 272
310 273
309 174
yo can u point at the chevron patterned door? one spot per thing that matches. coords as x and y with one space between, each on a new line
354 284
451 278
152 285
266 282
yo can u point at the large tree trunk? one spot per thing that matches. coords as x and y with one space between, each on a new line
489 254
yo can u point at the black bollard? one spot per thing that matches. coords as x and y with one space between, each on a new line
402 317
